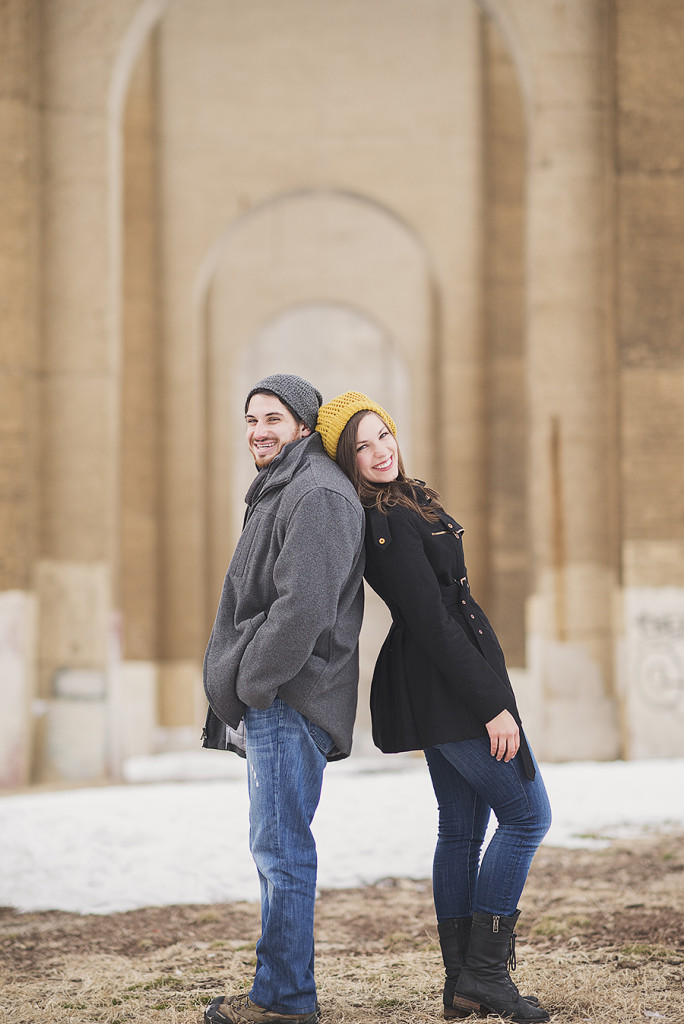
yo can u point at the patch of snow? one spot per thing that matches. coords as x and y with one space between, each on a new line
159 842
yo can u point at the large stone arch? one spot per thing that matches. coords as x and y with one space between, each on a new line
275 269
380 269
558 50
570 401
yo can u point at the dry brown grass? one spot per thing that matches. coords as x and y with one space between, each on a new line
601 940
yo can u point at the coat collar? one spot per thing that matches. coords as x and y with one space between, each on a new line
379 523
279 472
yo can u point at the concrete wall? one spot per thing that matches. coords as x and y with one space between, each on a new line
649 166
471 210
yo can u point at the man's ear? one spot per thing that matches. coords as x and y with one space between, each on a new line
305 431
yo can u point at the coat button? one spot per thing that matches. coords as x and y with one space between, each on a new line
472 616
451 526
480 632
381 540
462 602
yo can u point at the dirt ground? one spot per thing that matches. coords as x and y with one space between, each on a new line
600 940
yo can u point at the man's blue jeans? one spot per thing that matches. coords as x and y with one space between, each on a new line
286 755
469 783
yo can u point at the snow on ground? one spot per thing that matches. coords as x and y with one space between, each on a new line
160 842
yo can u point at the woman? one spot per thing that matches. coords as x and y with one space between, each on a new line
440 684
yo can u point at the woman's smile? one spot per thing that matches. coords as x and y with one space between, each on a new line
376 450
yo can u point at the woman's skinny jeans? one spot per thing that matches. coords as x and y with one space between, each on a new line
468 783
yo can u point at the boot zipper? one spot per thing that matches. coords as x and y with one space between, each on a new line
495 922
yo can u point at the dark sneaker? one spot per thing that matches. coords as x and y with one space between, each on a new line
241 1010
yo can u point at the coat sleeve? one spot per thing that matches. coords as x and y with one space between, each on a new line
322 545
407 581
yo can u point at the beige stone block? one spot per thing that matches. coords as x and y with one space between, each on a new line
572 673
571 79
530 701
570 481
577 602
73 745
376 623
17 673
649 265
78 450
565 242
580 730
75 282
652 671
271 80
80 42
74 616
652 455
181 699
505 264
418 45
132 711
653 563
578 719
560 28
570 142
19 213
17 478
505 608
650 90
588 590
140 425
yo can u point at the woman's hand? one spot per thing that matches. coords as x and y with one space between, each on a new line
504 735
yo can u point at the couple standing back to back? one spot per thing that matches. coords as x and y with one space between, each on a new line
330 499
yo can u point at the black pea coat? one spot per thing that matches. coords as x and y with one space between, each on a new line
441 674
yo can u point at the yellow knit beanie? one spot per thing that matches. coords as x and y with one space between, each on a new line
335 414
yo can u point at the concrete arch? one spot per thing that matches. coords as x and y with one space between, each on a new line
139 29
212 257
502 15
566 288
252 276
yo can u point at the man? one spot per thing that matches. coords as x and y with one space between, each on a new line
283 659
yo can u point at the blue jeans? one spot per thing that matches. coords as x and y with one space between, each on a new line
286 755
469 783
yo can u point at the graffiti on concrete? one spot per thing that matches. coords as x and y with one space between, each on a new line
660 662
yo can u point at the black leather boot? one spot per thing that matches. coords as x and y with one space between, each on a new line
484 981
454 937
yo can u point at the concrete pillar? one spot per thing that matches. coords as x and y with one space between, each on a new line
507 577
79 396
136 680
562 52
459 365
649 157
19 203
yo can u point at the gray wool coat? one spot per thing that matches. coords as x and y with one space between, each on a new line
290 611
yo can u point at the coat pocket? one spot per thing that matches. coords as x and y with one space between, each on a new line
225 651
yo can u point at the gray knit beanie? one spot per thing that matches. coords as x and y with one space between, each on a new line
303 398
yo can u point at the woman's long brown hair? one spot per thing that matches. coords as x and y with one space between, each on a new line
402 491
